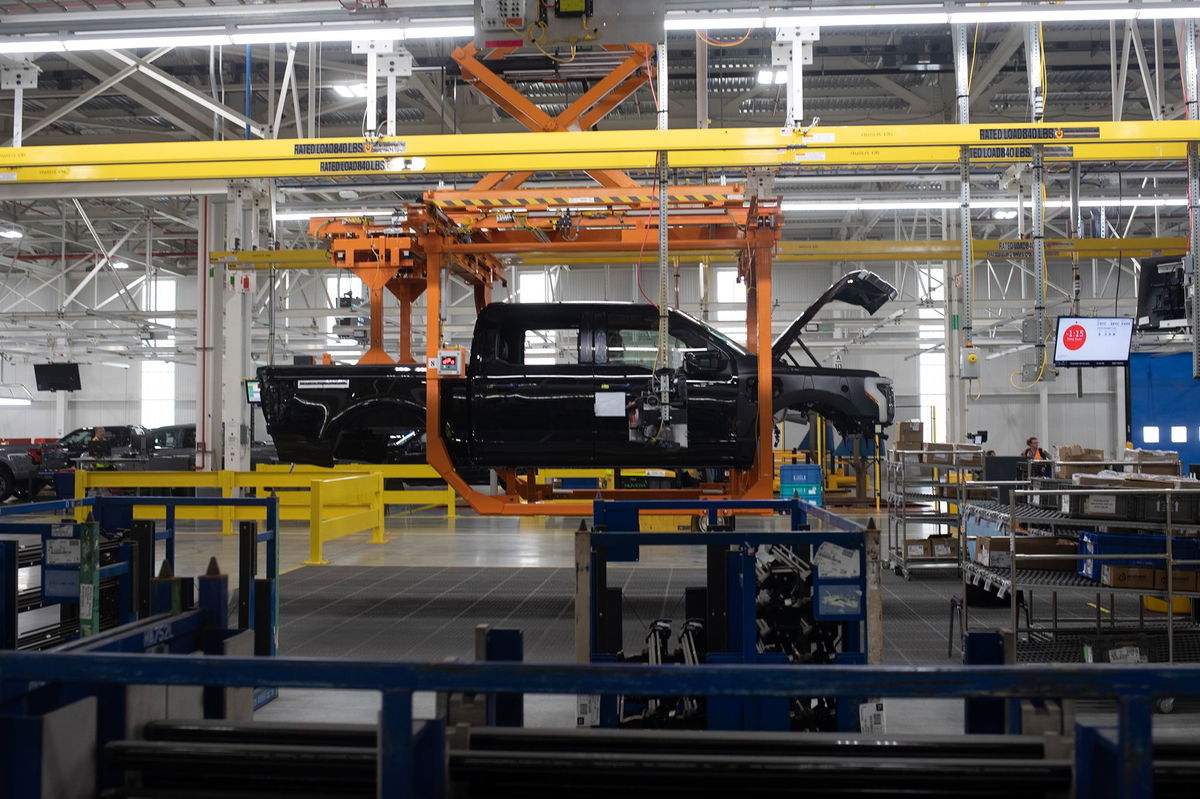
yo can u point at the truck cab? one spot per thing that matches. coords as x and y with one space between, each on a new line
548 384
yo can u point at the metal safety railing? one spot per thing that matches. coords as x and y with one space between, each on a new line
1134 689
334 504
435 496
340 506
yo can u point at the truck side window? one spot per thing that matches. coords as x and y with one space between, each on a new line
638 347
558 346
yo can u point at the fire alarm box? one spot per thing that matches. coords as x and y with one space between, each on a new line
452 362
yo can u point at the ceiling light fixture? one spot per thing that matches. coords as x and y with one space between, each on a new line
350 89
901 204
14 394
930 15
119 264
335 213
11 233
924 14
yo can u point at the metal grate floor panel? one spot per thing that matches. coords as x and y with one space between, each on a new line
428 613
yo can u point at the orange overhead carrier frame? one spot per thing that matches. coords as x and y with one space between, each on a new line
466 232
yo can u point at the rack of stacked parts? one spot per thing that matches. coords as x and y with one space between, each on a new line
795 597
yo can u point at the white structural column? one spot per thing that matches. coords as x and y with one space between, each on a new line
243 230
210 311
955 339
1033 57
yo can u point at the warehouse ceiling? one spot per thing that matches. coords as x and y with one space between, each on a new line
860 75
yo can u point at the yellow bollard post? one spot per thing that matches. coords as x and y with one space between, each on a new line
316 556
226 479
451 503
379 509
80 493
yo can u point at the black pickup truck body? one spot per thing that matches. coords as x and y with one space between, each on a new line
547 385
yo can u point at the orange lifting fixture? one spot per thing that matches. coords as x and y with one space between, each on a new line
466 232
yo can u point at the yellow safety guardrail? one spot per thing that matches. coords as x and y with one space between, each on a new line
333 505
434 495
341 506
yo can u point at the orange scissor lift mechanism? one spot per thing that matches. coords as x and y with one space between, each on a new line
468 232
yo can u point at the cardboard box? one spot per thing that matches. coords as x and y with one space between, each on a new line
993 551
1127 577
943 546
916 549
1185 580
1152 461
1096 481
953 454
910 434
1074 453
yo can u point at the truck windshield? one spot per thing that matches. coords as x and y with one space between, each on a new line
717 334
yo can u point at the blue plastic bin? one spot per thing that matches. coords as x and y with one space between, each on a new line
1100 544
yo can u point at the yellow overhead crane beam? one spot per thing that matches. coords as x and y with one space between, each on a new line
794 252
578 150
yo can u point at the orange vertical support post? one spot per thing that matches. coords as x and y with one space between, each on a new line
764 463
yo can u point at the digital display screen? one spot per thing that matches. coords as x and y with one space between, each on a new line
450 360
254 392
1092 341
56 376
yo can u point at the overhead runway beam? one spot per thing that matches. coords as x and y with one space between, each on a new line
637 149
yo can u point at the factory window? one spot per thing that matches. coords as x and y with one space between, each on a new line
158 376
730 291
1178 434
335 289
533 287
931 366
1150 435
158 393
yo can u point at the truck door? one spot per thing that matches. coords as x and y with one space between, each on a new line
532 389
626 348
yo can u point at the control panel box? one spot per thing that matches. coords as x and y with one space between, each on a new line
969 368
451 362
557 27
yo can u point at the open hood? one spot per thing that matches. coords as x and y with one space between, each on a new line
865 289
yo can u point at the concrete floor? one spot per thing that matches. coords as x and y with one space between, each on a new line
432 541
429 540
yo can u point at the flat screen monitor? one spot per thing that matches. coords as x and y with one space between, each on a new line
254 392
56 376
1092 341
